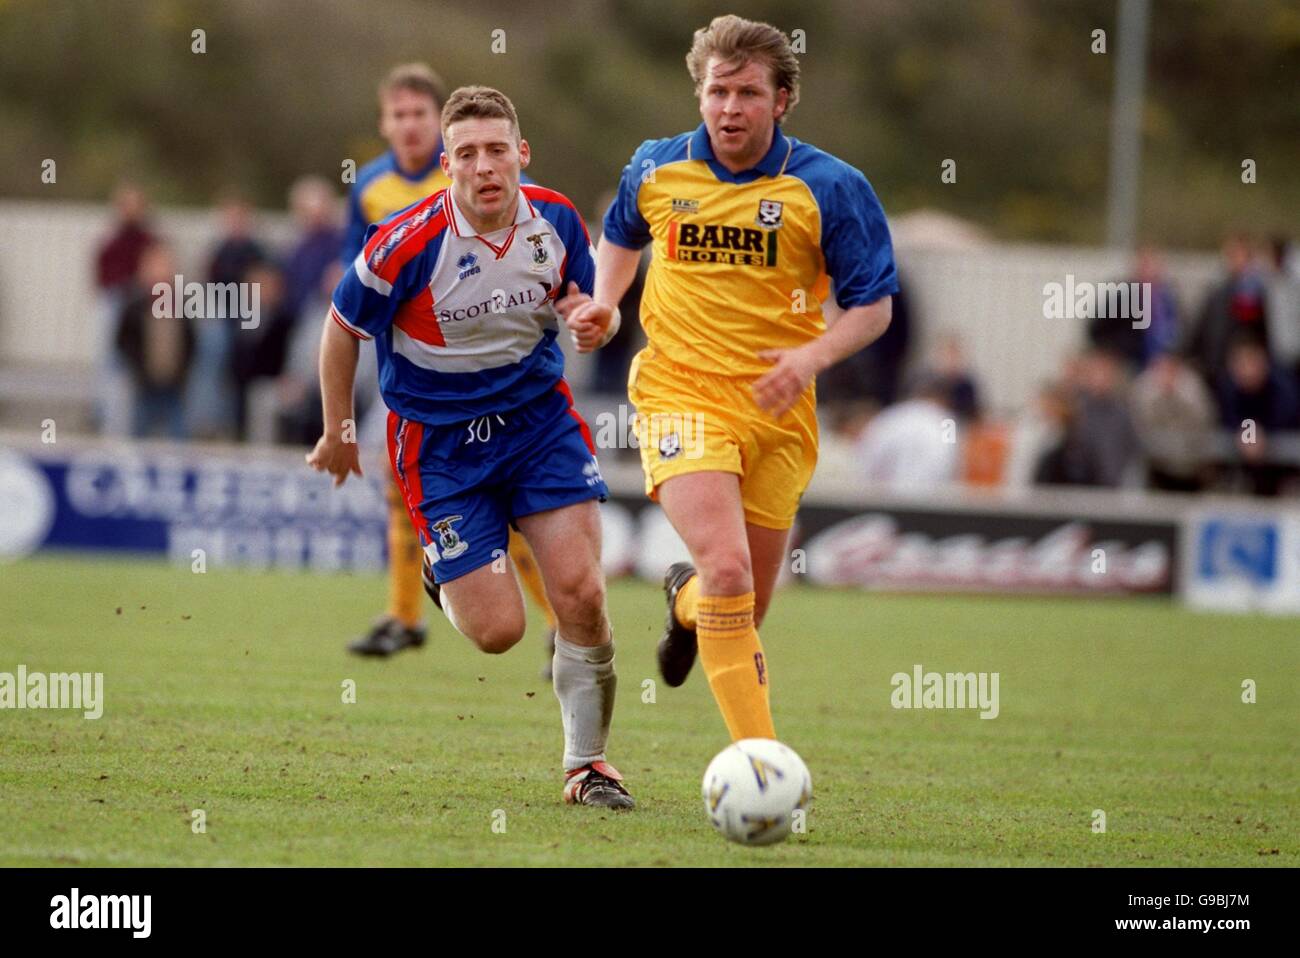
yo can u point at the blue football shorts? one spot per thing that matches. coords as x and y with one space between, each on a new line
465 484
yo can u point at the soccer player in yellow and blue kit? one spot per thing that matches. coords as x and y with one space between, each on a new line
746 224
410 106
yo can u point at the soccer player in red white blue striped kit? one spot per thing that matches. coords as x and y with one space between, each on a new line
462 293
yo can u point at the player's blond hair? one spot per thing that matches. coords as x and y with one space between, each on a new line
416 77
738 41
478 103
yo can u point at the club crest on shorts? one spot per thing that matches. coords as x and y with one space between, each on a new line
769 214
670 446
452 545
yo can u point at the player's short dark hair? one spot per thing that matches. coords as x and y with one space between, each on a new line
478 103
734 39
416 77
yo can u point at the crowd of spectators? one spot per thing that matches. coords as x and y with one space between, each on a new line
1177 402
206 374
1180 402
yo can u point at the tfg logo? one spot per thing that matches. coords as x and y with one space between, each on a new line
102 911
1238 549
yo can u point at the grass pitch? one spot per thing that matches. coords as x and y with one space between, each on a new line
224 693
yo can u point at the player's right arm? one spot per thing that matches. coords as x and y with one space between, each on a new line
624 234
336 450
363 306
615 270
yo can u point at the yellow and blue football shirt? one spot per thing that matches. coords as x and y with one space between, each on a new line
382 188
738 256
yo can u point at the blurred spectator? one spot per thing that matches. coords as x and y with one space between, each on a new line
237 250
1103 418
315 212
1037 431
311 272
846 421
298 388
1283 305
118 259
212 393
1066 461
1252 387
1117 334
1174 417
116 263
1237 305
874 372
1098 444
1256 400
613 360
258 351
952 369
911 446
985 452
156 346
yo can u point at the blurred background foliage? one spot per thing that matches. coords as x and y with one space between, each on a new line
1008 88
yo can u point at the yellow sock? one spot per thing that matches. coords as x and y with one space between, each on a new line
530 575
685 606
732 657
405 591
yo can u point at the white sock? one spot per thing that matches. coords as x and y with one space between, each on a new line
584 683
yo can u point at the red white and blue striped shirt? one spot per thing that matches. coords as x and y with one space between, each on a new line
465 324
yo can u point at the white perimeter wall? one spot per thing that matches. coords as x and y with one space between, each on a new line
992 295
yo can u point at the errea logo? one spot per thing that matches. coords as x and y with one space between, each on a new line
76 911
467 266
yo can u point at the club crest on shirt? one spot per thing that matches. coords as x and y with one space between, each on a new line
670 446
769 214
541 255
452 545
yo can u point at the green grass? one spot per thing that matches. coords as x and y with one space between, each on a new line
1133 707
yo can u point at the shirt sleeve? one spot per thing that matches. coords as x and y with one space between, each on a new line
579 256
366 298
856 244
624 225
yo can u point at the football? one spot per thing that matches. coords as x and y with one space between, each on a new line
756 791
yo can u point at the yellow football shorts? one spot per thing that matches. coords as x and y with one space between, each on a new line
689 421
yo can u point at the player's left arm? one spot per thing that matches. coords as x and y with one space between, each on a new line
591 323
781 386
860 260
